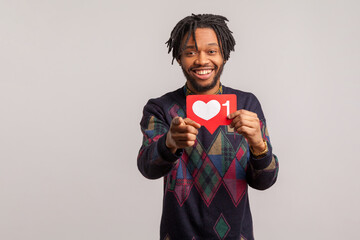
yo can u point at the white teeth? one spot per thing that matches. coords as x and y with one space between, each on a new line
203 72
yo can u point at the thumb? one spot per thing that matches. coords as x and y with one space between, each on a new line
178 120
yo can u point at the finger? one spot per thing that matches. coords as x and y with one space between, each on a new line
177 121
184 144
186 129
241 112
253 136
246 112
244 130
249 117
238 119
184 137
188 121
244 122
234 114
244 117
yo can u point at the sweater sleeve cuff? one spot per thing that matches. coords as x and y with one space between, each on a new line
263 162
165 152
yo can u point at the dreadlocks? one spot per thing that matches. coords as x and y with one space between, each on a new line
191 23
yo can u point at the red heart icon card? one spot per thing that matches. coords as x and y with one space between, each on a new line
211 111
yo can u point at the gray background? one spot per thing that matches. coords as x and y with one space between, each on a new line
75 75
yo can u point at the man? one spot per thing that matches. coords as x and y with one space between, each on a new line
206 175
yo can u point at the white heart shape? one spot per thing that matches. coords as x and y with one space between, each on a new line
206 110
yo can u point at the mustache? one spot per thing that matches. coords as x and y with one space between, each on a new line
204 66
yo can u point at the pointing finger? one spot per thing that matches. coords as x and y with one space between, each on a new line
190 122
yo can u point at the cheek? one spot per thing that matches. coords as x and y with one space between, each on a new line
182 62
218 62
186 64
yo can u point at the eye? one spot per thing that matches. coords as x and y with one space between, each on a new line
212 52
190 53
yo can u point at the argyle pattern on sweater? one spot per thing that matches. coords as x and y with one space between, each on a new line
206 185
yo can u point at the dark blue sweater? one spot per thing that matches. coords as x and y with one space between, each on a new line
206 185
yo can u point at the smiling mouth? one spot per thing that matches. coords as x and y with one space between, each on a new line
203 72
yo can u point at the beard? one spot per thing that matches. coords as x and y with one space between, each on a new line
199 88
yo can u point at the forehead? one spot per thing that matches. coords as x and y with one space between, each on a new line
203 36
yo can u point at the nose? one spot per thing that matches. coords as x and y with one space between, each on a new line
202 59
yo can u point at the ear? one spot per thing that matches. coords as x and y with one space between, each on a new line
179 62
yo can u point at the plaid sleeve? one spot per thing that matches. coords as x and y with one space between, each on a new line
154 159
262 172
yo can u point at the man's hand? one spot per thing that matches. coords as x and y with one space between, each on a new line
182 133
248 124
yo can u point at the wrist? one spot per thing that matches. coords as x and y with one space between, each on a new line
259 149
169 145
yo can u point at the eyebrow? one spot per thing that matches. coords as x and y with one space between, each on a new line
193 46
